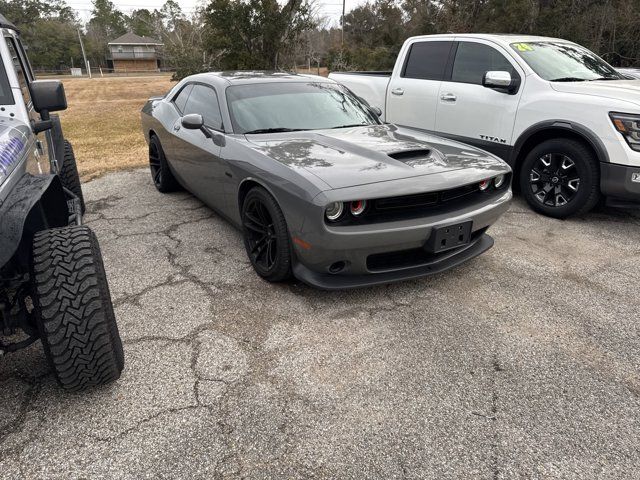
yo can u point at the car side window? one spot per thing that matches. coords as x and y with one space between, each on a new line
203 100
427 60
180 100
473 60
21 71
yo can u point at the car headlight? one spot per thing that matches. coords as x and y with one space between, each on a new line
629 126
498 181
358 207
334 211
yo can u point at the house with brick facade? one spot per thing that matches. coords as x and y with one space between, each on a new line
131 52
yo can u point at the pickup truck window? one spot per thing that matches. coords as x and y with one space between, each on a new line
203 100
565 62
427 60
473 60
284 107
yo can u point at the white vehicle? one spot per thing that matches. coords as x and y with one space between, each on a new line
566 121
632 73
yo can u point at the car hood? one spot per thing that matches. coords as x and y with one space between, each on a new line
625 90
348 157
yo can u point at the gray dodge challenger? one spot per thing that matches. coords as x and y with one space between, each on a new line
319 186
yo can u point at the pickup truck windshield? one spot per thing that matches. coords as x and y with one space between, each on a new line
565 62
288 106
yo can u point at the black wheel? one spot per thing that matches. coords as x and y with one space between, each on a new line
73 310
560 178
266 237
69 174
162 177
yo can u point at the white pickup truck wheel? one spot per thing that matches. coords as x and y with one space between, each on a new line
560 178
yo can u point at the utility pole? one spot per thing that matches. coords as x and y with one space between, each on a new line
342 22
84 55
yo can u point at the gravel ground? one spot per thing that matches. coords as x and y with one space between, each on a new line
523 363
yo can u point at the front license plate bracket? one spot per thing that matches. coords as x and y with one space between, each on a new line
447 237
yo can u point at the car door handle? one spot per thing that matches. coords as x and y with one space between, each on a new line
397 91
448 97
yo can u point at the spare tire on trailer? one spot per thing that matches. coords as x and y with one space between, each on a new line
73 309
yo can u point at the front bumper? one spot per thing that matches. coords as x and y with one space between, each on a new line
327 281
620 181
388 252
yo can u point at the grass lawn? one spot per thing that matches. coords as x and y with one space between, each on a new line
103 121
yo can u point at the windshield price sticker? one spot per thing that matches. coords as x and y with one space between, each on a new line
524 47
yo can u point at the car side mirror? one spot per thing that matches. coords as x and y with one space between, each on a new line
192 121
377 111
47 96
500 80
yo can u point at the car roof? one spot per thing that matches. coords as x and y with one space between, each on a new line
504 38
243 77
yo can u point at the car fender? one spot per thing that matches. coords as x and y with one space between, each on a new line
292 209
57 140
36 202
560 125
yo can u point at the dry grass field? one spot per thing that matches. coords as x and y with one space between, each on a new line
103 121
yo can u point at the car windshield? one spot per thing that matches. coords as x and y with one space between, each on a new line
289 106
6 97
565 62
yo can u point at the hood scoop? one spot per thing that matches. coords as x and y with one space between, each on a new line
415 158
409 155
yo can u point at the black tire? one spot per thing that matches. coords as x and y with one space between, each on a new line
161 174
569 185
73 309
266 236
69 174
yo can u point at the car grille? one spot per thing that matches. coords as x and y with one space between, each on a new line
414 257
418 205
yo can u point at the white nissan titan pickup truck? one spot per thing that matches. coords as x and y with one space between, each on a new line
566 121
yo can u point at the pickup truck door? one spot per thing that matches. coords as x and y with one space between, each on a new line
412 93
474 114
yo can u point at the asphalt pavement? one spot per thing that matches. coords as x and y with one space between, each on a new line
523 363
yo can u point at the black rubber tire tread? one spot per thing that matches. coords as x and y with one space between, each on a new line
73 308
168 182
282 269
69 173
589 194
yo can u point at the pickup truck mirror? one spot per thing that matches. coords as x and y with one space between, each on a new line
47 96
500 81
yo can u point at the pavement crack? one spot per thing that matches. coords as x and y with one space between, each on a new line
135 428
30 396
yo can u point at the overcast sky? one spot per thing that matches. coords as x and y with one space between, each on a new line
329 8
